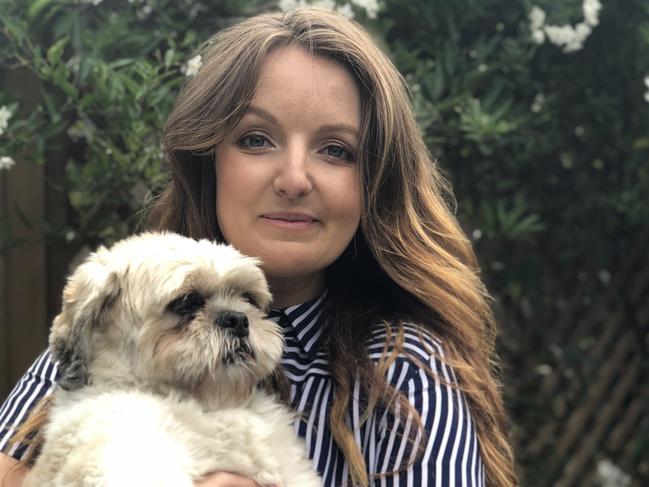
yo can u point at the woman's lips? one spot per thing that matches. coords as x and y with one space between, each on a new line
293 221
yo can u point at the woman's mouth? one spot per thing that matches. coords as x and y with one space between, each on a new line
294 221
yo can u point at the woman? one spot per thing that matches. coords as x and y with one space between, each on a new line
296 143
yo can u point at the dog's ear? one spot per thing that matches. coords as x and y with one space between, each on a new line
89 292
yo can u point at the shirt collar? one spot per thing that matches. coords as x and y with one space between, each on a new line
302 321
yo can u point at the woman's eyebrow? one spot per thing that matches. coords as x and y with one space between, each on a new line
339 127
260 112
335 127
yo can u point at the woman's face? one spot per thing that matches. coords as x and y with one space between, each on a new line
287 181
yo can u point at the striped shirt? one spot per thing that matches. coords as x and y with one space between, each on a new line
450 455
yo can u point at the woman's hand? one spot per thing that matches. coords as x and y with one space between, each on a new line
227 479
11 475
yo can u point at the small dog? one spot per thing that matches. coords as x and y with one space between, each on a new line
162 344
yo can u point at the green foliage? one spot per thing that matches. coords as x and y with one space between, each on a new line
547 150
538 143
548 155
107 76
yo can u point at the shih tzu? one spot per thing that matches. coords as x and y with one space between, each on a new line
162 344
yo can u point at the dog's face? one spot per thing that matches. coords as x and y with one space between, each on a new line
170 313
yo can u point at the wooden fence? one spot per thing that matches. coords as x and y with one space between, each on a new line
600 410
32 270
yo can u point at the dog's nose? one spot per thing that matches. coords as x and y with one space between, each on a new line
234 321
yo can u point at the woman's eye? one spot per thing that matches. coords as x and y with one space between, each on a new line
338 152
254 141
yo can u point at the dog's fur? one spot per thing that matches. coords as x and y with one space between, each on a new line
162 344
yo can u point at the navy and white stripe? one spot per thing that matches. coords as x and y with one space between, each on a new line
37 383
451 455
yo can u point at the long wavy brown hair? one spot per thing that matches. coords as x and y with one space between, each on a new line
409 260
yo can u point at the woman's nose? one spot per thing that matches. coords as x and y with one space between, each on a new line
293 178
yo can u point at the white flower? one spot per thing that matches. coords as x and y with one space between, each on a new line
192 66
538 36
604 276
5 115
597 163
286 5
567 37
566 160
591 10
646 81
477 234
371 7
144 12
543 369
559 34
6 163
537 104
537 18
583 30
482 68
610 475
324 4
346 10
646 97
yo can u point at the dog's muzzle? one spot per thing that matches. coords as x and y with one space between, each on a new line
239 353
235 322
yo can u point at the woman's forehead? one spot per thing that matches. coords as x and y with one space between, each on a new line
293 82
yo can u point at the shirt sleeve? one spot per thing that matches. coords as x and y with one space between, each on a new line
38 382
450 455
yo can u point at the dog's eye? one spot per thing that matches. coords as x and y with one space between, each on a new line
251 299
187 304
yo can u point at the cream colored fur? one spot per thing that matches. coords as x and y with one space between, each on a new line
155 390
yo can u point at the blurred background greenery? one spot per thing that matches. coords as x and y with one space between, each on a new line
538 111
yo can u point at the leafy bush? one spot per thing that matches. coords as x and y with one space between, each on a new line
108 75
543 130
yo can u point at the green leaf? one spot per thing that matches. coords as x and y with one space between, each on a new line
16 28
36 7
641 143
53 110
120 63
55 51
169 57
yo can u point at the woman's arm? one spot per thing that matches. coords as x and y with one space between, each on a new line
11 475
226 479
